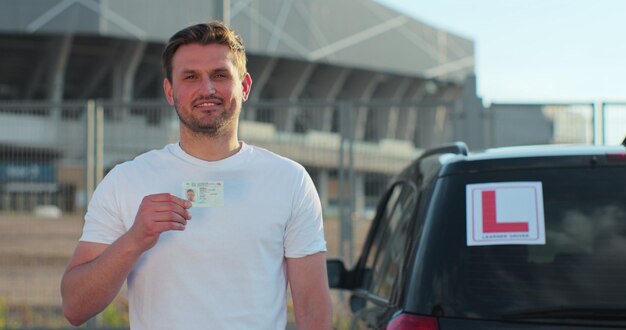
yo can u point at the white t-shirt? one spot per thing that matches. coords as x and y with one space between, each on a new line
226 270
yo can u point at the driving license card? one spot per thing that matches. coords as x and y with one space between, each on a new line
204 193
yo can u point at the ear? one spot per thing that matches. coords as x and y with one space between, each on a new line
246 85
169 94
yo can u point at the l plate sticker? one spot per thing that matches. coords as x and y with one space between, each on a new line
505 213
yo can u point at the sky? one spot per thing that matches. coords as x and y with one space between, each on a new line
537 50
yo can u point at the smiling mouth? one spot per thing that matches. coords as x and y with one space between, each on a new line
205 104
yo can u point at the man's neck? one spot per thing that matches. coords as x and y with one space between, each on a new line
210 148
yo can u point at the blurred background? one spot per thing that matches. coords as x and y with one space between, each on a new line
352 89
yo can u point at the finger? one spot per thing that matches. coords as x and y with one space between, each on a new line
169 225
166 202
168 207
167 197
156 226
166 216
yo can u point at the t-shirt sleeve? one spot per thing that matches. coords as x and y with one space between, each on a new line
304 234
103 223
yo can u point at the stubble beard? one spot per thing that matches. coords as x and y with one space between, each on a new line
216 128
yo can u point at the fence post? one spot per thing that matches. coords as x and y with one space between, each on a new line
603 122
94 149
346 181
99 174
89 150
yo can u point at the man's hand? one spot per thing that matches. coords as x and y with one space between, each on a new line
158 213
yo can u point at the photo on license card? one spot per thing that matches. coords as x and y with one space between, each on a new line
204 193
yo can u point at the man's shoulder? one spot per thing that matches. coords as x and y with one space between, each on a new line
271 158
146 158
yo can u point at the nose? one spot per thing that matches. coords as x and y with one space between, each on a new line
207 86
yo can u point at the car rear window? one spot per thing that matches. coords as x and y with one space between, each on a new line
581 266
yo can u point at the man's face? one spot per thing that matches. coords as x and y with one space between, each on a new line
206 89
191 195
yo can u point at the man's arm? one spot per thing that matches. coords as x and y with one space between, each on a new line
309 291
96 272
93 277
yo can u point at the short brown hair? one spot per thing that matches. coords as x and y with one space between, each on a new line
213 32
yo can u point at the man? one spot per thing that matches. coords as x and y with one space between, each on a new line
191 195
226 262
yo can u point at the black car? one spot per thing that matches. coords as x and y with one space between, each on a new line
510 238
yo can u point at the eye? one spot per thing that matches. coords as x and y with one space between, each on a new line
189 76
220 75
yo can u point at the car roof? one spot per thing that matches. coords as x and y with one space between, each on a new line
530 157
553 150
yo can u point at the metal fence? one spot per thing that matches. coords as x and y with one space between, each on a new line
55 155
52 156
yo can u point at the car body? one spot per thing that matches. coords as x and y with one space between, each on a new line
509 238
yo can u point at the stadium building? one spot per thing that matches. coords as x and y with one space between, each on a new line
324 71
